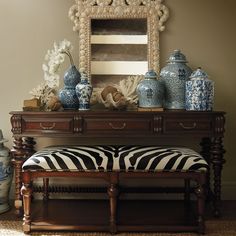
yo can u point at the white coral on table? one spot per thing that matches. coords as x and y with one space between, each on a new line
126 87
44 93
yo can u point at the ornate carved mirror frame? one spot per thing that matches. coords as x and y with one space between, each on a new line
83 11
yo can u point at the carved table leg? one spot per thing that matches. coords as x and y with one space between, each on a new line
200 193
113 192
26 192
206 153
217 160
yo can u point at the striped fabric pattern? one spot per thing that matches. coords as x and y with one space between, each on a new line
115 158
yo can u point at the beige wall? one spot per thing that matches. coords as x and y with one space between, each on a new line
203 29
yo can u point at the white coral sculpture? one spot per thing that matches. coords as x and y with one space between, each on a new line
127 87
44 93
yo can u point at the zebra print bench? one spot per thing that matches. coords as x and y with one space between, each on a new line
111 163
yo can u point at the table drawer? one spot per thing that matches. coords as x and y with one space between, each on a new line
189 125
47 125
116 125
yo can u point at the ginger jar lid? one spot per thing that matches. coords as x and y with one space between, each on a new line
151 74
199 74
177 56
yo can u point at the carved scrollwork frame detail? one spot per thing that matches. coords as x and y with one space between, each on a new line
83 11
219 125
16 124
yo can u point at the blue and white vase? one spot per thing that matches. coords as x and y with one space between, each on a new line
199 92
6 174
67 94
150 91
84 91
174 76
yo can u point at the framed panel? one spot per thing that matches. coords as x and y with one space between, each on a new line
85 12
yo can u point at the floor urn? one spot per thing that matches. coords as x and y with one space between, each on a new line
5 175
150 91
84 91
174 76
199 92
67 94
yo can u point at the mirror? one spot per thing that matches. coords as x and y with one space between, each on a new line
118 37
118 49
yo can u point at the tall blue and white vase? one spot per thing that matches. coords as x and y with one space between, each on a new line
199 92
6 174
67 94
84 91
150 91
174 76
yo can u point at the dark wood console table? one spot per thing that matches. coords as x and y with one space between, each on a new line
124 125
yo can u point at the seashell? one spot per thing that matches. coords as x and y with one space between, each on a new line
110 103
54 104
134 2
82 58
103 2
117 96
107 90
82 64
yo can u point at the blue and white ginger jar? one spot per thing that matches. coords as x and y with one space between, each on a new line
174 75
67 94
84 91
6 175
199 92
150 91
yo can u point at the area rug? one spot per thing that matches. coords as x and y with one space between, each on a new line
213 228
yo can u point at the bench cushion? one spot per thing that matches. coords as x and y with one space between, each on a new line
115 158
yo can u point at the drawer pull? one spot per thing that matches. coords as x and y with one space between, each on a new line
47 127
117 127
188 127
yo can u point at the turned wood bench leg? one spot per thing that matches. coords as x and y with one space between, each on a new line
113 192
26 191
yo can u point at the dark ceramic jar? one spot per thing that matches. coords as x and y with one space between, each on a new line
67 94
